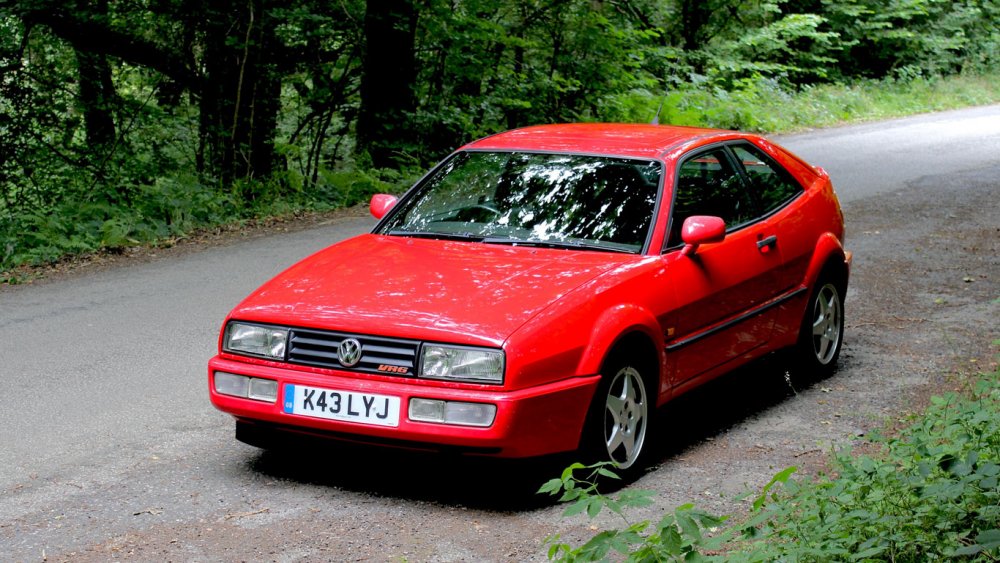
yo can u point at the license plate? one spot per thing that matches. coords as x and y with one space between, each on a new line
364 408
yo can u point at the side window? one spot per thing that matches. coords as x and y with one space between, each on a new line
772 185
707 184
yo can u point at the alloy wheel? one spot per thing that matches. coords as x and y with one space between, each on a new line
626 416
826 327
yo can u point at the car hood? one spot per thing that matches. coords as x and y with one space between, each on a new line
460 292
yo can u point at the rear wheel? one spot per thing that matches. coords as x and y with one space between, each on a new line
822 332
620 416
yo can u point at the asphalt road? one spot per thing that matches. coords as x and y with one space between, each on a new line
105 425
866 160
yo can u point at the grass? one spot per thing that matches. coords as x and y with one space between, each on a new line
829 105
763 105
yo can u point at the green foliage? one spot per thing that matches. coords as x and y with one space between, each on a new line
124 122
487 66
932 492
765 105
169 208
680 536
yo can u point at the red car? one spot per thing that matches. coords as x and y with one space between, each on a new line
544 290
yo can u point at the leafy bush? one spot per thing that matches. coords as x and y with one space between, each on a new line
676 537
170 207
767 105
932 492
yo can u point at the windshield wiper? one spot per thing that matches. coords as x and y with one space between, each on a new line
562 244
435 235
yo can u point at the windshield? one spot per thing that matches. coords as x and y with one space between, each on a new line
557 200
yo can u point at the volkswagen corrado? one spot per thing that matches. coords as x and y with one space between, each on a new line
545 290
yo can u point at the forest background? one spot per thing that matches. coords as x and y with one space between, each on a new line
134 122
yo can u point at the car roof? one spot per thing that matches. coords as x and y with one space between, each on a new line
617 139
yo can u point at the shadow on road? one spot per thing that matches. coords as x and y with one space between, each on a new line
451 479
711 409
511 485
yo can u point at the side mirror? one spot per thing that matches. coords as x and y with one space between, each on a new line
701 229
381 204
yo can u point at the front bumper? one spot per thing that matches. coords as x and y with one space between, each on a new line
529 422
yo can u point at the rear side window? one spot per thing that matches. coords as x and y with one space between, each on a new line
707 184
772 185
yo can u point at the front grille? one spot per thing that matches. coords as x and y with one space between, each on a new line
387 356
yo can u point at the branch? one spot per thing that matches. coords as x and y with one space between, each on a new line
93 35
17 65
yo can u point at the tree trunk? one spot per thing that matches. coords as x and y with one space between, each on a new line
97 99
97 95
384 128
241 91
695 16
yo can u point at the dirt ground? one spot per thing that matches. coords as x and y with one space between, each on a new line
922 312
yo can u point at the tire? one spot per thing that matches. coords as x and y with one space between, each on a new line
620 417
822 333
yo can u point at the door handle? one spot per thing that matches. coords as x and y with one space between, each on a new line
765 245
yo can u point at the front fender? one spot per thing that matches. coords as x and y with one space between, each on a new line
612 326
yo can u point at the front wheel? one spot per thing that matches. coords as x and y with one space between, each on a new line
822 332
620 417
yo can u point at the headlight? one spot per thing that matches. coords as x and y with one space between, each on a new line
256 340
462 364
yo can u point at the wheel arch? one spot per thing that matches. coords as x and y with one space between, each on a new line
626 327
829 259
632 346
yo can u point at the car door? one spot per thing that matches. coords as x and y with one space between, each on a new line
722 289
776 191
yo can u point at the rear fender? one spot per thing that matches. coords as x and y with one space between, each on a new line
829 250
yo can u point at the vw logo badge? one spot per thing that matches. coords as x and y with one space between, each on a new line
349 352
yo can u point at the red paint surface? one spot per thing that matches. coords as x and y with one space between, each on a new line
556 313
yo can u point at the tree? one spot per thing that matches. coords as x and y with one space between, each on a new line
97 96
97 99
240 90
236 80
387 84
